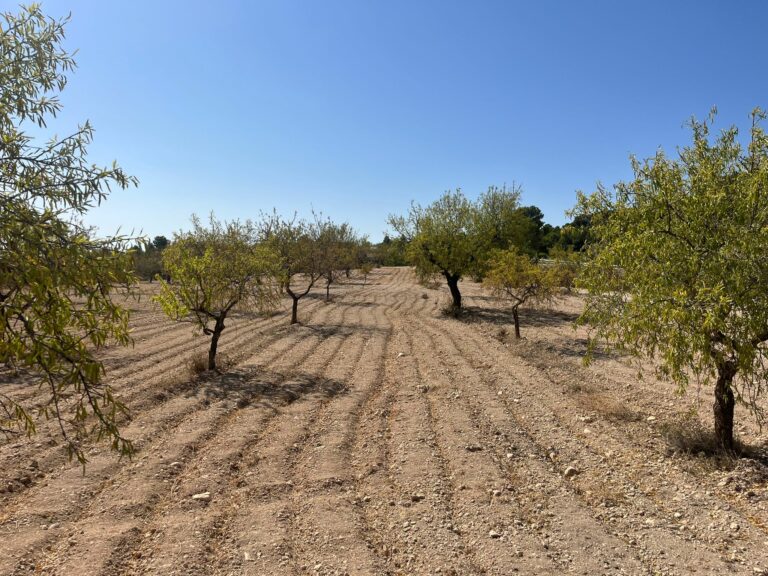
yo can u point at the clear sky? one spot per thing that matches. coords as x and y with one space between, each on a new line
358 107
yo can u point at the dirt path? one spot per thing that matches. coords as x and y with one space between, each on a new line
381 438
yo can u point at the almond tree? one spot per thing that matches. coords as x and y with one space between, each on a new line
442 239
57 280
517 278
216 270
678 267
338 246
300 261
453 236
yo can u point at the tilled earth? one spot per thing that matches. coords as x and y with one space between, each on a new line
379 437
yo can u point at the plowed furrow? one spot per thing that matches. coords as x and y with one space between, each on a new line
324 484
542 431
628 442
214 447
487 517
406 487
232 476
142 399
151 425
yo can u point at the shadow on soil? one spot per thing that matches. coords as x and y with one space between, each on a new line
503 323
10 378
339 300
539 317
247 387
358 304
326 330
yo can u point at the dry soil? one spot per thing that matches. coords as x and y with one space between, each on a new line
379 437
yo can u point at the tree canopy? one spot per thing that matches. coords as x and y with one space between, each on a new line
57 281
679 264
339 249
443 238
454 236
300 258
517 278
215 270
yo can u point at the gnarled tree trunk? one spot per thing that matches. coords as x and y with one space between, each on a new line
295 310
724 405
516 318
217 330
453 286
296 296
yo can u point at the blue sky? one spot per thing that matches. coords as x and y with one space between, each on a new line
358 107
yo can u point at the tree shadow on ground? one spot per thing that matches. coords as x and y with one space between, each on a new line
257 386
13 377
536 317
328 330
358 304
687 436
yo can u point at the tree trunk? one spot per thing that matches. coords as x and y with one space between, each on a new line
453 286
328 291
217 330
517 321
295 310
724 404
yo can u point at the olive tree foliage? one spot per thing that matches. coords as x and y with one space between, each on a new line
216 270
518 278
678 266
300 259
57 281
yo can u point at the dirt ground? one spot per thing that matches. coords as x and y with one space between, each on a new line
379 437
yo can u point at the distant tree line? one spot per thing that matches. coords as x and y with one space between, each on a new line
148 258
226 267
532 236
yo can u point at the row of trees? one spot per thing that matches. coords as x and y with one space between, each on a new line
676 259
245 266
58 281
675 262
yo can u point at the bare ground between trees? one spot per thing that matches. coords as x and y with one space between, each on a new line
380 438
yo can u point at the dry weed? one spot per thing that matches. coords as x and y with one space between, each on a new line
450 311
609 408
198 364
688 436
